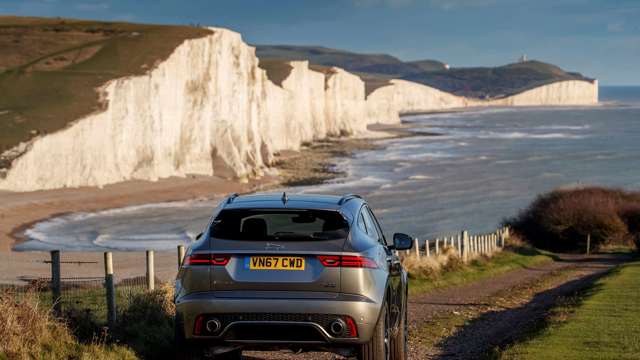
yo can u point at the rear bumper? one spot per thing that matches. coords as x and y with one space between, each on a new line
301 313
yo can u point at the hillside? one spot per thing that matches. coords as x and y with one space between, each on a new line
50 68
376 69
494 82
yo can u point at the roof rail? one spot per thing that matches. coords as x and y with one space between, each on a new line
232 197
348 197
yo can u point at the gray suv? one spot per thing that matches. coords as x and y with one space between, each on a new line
296 272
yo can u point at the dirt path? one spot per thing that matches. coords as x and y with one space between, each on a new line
468 321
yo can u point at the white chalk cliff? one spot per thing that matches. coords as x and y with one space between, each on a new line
209 109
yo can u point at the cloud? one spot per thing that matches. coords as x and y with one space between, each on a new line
615 27
125 17
389 3
440 4
91 6
455 4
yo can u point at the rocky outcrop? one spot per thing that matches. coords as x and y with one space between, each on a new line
210 109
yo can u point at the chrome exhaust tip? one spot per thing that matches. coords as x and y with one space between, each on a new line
337 327
213 325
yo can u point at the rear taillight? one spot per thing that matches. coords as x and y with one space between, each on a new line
347 261
351 325
207 259
197 327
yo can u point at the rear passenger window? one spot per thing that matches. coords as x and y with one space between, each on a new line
377 226
361 223
371 227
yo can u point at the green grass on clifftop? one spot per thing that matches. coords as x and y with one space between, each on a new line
605 325
50 68
376 69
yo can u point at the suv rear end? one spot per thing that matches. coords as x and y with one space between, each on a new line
280 273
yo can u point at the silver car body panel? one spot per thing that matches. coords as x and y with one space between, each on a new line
355 292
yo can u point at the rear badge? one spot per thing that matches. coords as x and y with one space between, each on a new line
272 246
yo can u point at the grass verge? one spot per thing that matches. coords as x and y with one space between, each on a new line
51 67
602 322
480 268
28 331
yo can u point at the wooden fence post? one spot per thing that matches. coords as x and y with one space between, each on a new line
472 240
465 246
505 235
111 289
426 248
416 244
55 283
588 244
180 255
151 276
437 246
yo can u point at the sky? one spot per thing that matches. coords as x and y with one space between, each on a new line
599 38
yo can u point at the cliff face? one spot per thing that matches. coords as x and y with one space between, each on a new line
385 104
562 93
209 109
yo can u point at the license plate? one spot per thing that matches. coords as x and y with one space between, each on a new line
275 263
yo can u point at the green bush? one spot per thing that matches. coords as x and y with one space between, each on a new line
563 219
146 324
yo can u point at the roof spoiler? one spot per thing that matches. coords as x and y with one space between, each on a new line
231 197
348 197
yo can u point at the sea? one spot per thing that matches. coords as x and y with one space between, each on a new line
466 170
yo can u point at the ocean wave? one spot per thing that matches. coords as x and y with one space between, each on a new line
564 127
524 135
420 177
137 242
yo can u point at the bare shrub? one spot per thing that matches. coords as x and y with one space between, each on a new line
562 219
430 267
28 331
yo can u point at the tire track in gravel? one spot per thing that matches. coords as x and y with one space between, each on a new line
490 312
497 311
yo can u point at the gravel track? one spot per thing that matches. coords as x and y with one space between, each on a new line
496 310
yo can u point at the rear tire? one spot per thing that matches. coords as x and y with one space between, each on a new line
399 345
378 347
232 355
183 349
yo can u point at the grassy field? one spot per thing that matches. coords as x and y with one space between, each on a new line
480 269
50 68
602 323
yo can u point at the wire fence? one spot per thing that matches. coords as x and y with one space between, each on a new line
466 246
57 280
49 279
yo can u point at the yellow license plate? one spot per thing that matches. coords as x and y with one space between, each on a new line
276 263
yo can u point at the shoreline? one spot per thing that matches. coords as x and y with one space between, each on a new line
313 164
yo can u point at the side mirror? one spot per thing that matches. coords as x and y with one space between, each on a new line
199 236
402 241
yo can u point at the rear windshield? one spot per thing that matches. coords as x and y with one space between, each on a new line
279 224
